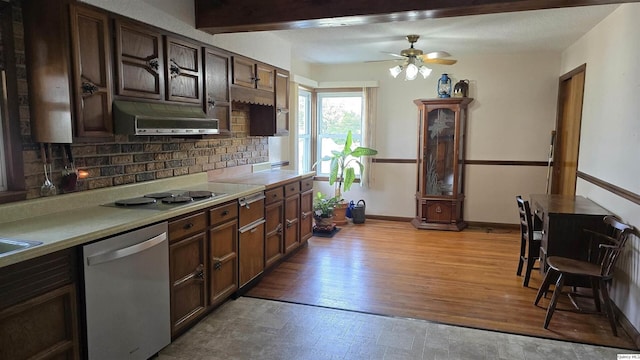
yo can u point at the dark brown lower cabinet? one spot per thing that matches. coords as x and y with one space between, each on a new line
306 209
251 251
38 308
274 232
188 274
223 247
291 222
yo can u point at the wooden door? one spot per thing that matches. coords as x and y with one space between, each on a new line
282 102
567 143
306 215
139 61
188 271
265 77
91 49
223 247
251 251
183 72
244 72
291 222
217 70
274 235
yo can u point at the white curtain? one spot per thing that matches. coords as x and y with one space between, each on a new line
369 132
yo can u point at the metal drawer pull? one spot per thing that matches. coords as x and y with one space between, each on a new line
252 226
245 201
225 213
187 226
120 253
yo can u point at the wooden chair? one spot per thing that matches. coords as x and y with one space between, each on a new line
530 240
598 269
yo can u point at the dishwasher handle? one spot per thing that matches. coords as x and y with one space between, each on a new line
252 227
246 201
130 250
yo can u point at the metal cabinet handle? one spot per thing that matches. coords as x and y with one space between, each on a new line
252 227
279 228
225 213
438 209
290 223
88 88
210 101
120 253
199 273
187 226
174 68
154 64
217 263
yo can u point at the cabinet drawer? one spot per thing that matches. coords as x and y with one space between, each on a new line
306 184
186 226
439 211
292 189
250 209
223 213
274 195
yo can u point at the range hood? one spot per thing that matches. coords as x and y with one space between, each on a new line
140 118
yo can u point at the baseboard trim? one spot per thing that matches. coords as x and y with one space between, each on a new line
627 326
389 218
488 225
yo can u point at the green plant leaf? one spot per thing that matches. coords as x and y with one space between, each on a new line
363 151
333 174
349 177
347 144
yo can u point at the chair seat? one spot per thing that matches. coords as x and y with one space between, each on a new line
537 235
572 266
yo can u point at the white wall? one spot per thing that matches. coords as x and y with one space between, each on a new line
511 118
610 131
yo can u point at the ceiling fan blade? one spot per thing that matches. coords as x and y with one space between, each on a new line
388 60
436 55
439 61
394 54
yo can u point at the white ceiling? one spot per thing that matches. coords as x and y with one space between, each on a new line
551 30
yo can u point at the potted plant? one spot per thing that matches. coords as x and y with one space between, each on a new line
343 173
323 208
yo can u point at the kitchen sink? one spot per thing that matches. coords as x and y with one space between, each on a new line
8 246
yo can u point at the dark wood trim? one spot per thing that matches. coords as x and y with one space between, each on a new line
506 162
570 74
390 218
235 16
623 193
276 165
11 112
627 325
394 161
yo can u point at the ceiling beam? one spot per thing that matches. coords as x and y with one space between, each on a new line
219 16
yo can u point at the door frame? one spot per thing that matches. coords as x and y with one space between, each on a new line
561 121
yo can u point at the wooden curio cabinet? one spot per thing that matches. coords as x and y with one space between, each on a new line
440 182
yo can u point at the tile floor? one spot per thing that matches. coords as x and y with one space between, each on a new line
249 328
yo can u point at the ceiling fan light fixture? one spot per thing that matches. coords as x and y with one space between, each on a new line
411 72
395 71
424 71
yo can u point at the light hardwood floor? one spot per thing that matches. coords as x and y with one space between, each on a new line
463 278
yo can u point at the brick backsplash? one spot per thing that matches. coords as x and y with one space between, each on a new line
132 159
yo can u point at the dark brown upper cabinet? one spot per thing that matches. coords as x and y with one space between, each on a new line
92 75
217 75
251 74
282 102
183 71
139 61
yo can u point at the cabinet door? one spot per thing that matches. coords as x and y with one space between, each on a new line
139 61
223 245
90 46
217 69
44 327
273 237
291 222
244 72
265 77
306 215
183 72
188 270
251 253
282 102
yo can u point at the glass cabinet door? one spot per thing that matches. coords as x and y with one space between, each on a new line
440 142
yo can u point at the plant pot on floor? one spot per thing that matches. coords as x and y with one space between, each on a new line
340 213
323 224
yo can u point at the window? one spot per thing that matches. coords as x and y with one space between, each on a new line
337 113
304 130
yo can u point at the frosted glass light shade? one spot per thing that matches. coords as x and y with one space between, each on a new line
411 72
424 71
395 71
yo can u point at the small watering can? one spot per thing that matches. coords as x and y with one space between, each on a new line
357 213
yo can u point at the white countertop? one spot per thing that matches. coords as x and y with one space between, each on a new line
67 220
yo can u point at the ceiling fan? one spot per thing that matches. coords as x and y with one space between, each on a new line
434 57
415 60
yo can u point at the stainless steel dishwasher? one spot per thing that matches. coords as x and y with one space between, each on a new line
126 288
